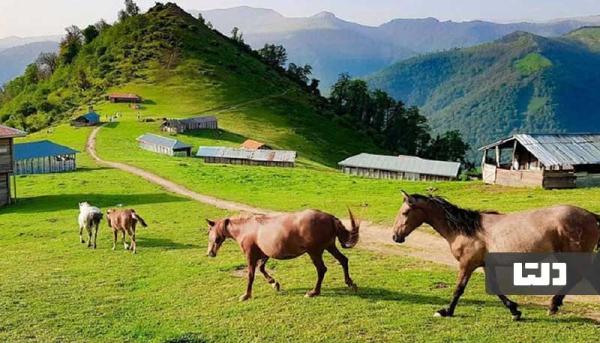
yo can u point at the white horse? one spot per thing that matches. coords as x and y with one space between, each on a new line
89 218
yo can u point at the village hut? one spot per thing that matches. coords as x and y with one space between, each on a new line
124 97
189 124
7 136
277 158
164 145
250 144
543 160
399 167
89 119
43 157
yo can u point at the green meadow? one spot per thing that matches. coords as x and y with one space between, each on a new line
53 288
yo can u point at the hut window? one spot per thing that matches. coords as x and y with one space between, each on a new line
3 149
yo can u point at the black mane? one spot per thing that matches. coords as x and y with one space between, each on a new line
460 220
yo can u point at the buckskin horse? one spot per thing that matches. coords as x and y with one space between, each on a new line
473 234
285 236
124 221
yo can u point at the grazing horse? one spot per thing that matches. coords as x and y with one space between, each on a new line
285 236
473 234
124 221
89 218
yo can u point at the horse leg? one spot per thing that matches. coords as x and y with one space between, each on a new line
463 278
81 234
115 236
317 259
252 261
89 230
333 250
96 234
125 246
512 306
133 242
269 278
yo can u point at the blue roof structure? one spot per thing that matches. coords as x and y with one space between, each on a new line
162 141
25 151
92 117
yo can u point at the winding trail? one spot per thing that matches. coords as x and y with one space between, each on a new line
373 237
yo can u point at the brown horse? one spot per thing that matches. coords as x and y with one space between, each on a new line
472 234
285 236
124 221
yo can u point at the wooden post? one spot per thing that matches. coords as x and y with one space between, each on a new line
514 152
497 156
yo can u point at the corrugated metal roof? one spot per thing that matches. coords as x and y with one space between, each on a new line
124 96
559 149
252 144
24 151
9 132
245 154
170 143
402 163
91 117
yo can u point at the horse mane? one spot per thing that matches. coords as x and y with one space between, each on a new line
461 220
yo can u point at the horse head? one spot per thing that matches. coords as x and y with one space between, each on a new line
217 233
410 216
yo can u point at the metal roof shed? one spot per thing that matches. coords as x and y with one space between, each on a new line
399 167
164 145
43 157
279 158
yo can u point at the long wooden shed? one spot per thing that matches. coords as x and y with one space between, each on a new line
276 158
164 145
189 124
44 157
7 136
399 167
543 160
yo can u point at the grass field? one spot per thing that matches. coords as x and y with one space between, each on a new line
52 288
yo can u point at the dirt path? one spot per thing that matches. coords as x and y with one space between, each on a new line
375 238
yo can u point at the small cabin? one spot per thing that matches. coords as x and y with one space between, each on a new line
225 155
89 119
44 157
189 124
164 145
399 167
7 136
250 144
543 160
124 97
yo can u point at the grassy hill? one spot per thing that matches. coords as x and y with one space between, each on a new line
520 83
182 68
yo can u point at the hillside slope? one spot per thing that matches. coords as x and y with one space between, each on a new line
519 83
182 68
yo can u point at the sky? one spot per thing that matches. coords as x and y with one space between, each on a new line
49 17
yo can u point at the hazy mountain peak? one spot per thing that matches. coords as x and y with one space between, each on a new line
325 15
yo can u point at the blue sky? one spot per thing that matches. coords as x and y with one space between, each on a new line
45 17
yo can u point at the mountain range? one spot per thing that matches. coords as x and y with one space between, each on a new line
14 60
332 45
520 83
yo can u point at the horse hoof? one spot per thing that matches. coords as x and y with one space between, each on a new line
442 313
516 317
276 286
552 311
353 287
245 297
311 294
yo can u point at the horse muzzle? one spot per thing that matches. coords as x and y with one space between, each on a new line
398 238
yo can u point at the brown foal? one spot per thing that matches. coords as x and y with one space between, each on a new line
124 221
285 236
472 234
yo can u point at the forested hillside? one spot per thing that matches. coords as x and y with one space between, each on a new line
520 83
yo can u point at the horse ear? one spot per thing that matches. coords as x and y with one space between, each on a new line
210 222
408 198
405 195
226 223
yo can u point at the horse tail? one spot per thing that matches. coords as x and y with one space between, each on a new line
348 239
96 218
138 218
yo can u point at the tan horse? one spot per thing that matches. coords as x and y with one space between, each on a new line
472 234
124 221
285 236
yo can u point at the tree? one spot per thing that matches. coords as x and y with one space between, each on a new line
131 10
274 55
448 147
313 87
237 35
70 44
101 25
299 73
201 18
47 63
90 33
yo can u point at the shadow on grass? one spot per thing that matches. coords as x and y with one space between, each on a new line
59 202
163 243
189 337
